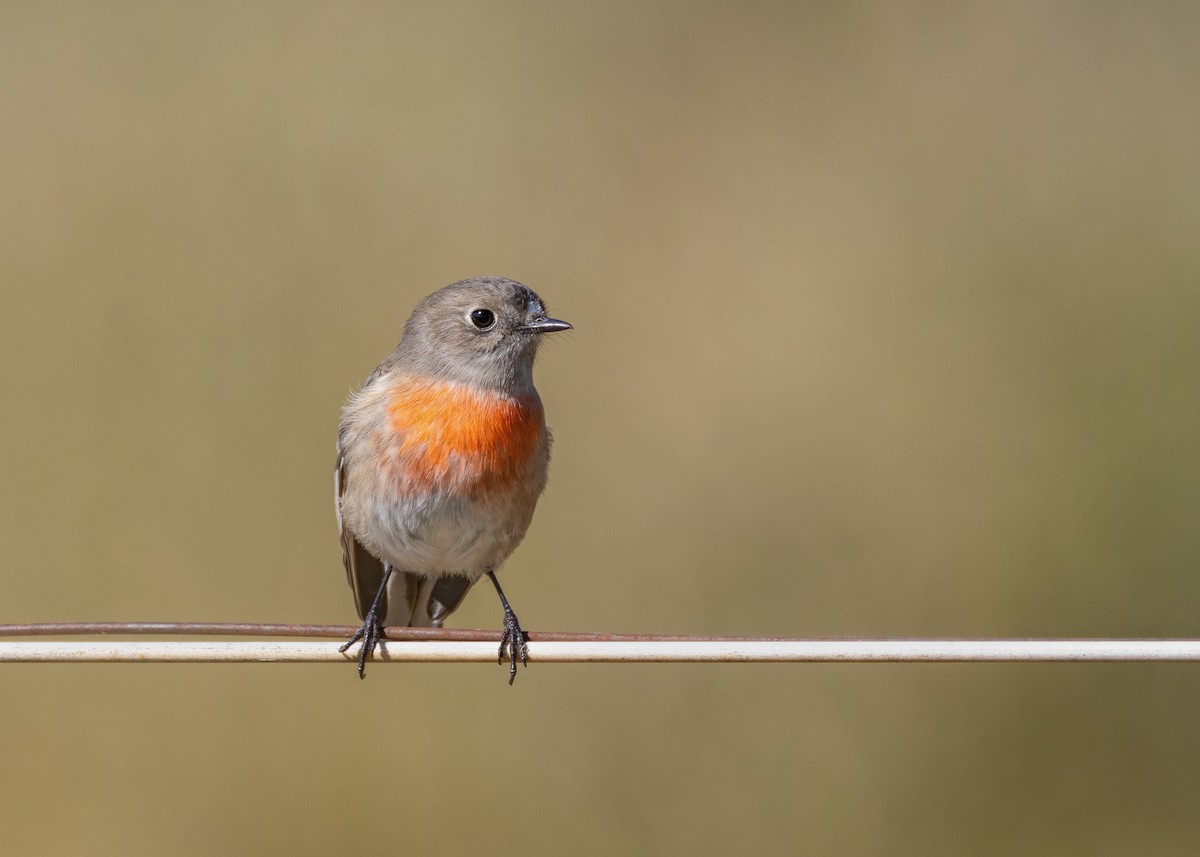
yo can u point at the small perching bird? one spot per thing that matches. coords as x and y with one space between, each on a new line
441 457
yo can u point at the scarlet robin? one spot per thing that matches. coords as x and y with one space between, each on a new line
441 457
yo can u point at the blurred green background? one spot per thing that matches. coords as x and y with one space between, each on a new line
888 323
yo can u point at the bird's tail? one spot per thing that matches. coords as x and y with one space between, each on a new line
429 599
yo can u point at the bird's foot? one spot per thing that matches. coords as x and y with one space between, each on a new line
513 642
370 633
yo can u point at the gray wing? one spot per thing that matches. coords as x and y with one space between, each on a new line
364 572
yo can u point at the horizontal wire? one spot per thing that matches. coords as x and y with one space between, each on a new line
245 629
609 651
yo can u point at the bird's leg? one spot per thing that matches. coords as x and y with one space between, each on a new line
513 638
371 631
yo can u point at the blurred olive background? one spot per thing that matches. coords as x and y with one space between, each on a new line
888 323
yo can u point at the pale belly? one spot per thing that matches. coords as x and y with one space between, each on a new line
439 535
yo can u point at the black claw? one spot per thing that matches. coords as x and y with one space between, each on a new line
514 639
370 633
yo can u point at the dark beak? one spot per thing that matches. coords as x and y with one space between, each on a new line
544 325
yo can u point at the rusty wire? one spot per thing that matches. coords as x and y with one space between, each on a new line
249 629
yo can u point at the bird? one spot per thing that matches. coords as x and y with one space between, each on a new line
442 455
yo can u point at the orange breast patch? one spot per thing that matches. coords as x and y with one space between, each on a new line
448 435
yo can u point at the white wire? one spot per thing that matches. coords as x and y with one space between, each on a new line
847 650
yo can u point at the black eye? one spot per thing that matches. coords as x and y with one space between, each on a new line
483 318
